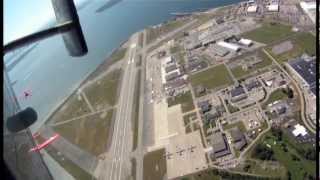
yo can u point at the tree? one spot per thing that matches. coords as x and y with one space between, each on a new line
310 154
289 175
263 153
247 167
277 133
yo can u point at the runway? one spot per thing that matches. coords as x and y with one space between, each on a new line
114 167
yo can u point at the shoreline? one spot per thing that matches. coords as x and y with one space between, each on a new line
106 64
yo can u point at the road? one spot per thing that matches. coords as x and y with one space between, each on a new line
115 167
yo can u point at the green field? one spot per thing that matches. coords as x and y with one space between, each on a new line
232 109
178 53
154 33
269 33
298 167
238 72
188 129
302 43
154 165
189 117
265 168
135 112
214 174
214 77
275 96
238 124
73 107
185 100
89 133
103 92
117 55
64 162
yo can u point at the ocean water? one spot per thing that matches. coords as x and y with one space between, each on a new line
52 75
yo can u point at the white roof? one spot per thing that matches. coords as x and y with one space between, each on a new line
299 130
273 7
245 41
269 83
308 5
231 46
167 60
252 8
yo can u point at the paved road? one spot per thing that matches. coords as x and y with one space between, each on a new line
113 168
139 151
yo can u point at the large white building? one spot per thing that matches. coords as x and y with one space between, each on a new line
299 130
227 45
252 9
246 42
273 7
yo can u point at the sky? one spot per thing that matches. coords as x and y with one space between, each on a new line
23 17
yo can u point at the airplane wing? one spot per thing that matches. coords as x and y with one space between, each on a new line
44 144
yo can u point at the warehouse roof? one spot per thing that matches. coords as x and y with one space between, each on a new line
306 68
231 46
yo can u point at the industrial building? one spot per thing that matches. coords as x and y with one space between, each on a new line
219 144
245 42
299 130
238 94
252 9
230 46
252 85
238 138
218 50
204 106
304 68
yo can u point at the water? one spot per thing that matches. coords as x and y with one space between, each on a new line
51 74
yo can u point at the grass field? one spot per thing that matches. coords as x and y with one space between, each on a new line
64 162
89 133
185 100
189 117
265 168
269 33
178 53
135 112
154 33
73 107
117 55
238 124
275 96
154 165
232 109
215 77
68 165
302 43
292 160
238 72
104 92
